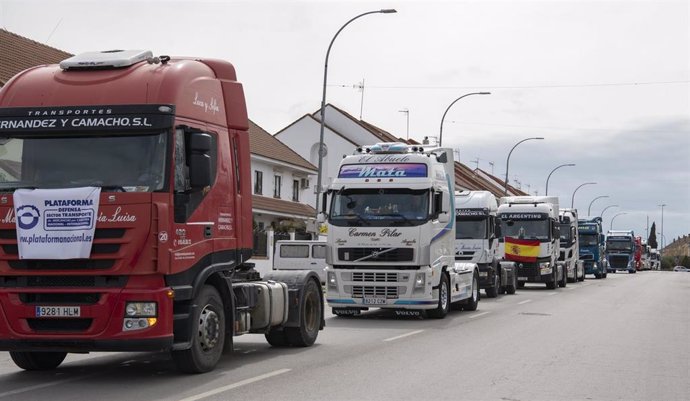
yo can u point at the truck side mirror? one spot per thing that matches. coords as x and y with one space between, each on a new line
497 229
324 199
321 218
443 217
200 173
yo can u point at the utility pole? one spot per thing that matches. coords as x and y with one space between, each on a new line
407 115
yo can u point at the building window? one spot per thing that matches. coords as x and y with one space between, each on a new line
295 190
276 187
258 182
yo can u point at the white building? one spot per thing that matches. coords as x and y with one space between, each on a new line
281 190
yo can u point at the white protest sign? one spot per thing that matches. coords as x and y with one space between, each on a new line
56 223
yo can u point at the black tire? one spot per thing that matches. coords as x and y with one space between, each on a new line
551 285
276 337
512 287
311 307
564 278
597 276
37 360
520 284
208 334
582 278
492 292
472 303
604 275
443 299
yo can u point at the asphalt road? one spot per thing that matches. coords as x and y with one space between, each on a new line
626 337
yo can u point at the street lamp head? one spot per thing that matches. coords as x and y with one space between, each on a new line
484 93
388 11
539 137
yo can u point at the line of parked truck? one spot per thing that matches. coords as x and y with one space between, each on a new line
126 202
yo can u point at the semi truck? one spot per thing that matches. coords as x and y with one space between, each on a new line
592 244
654 260
531 239
620 251
570 245
476 241
391 232
127 218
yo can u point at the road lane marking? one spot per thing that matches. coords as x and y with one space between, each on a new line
551 293
479 314
403 335
236 385
524 302
43 385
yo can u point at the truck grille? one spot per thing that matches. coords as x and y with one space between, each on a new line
464 255
102 254
619 261
360 291
58 298
377 277
62 281
59 325
380 254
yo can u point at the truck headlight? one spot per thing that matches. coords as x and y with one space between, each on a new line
419 280
140 309
332 281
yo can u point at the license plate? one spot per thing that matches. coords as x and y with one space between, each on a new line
58 311
522 278
374 301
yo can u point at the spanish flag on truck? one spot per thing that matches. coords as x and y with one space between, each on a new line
521 250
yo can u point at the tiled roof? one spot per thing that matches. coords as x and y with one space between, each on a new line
18 53
282 206
383 135
264 144
466 178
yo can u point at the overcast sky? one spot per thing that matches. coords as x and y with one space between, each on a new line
607 83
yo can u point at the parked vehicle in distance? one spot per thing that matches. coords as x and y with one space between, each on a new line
654 261
592 243
301 255
620 251
570 245
476 241
681 269
531 239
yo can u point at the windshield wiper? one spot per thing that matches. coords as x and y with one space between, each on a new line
118 188
408 221
358 216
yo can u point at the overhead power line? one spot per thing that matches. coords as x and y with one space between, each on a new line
544 86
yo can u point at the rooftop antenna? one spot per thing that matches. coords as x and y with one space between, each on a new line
492 167
456 154
536 192
476 163
407 114
360 86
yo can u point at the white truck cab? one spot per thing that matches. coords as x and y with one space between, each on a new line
301 255
570 246
476 241
391 233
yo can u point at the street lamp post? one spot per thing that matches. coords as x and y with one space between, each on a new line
319 187
614 218
505 190
572 199
589 209
602 212
547 178
440 131
662 230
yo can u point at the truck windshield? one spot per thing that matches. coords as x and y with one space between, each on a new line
470 229
527 229
588 239
380 207
132 163
618 246
566 234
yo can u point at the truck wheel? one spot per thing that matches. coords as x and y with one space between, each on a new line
551 285
492 292
37 360
582 278
597 276
311 306
443 299
564 278
276 337
603 275
521 284
512 287
472 303
208 334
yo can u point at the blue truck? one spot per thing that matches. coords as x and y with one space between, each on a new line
620 251
591 240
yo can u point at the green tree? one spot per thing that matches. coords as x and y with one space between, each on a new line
651 241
